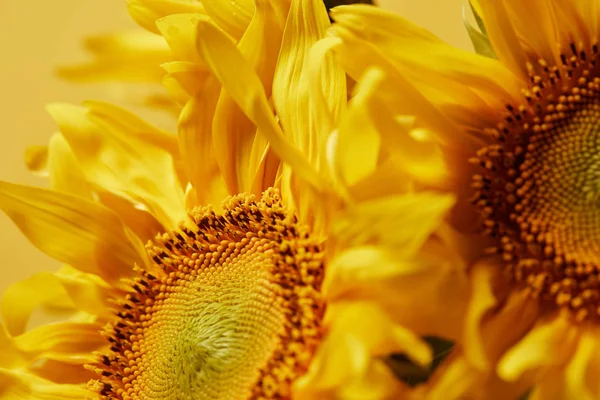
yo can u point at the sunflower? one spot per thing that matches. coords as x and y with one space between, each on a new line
274 224
517 129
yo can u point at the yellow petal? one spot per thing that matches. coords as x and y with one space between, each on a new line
402 96
88 292
120 154
244 86
195 136
179 30
577 372
65 172
147 12
378 383
126 121
130 56
482 301
68 338
456 379
328 92
359 141
503 36
233 16
545 345
403 221
293 84
424 58
139 221
352 341
22 298
19 384
190 76
234 134
543 38
69 371
72 230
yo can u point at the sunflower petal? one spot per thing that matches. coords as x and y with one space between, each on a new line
385 276
179 30
244 86
88 292
20 384
577 371
233 16
129 56
306 24
147 12
425 59
346 352
379 220
65 172
234 134
190 76
22 298
68 338
195 136
71 229
545 345
503 36
134 165
543 38
359 141
482 301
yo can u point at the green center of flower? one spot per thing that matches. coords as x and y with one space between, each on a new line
232 310
539 187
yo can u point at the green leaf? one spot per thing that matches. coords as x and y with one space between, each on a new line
480 40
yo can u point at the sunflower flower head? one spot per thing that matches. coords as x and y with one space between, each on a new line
517 130
243 284
272 254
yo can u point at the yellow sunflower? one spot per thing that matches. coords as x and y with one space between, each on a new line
518 130
274 291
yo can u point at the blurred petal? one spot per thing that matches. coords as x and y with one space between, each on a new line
545 345
36 159
65 172
22 298
358 144
346 352
404 221
20 384
130 56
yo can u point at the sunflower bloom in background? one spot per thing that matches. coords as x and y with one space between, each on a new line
518 130
272 292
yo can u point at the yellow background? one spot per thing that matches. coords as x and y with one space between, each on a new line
37 36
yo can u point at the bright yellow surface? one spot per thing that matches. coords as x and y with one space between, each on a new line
34 41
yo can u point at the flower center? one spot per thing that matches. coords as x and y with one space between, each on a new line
539 189
232 310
